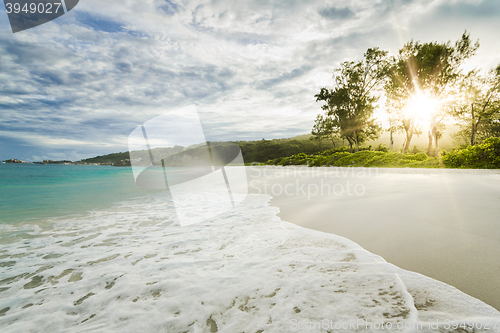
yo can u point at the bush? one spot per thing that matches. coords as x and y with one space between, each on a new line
364 158
382 147
482 156
415 150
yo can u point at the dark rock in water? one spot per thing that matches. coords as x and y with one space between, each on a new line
14 160
125 162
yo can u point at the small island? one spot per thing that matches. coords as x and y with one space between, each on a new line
14 160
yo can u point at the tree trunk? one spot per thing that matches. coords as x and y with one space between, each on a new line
391 143
350 144
474 127
356 141
436 154
429 135
406 145
475 124
433 136
333 143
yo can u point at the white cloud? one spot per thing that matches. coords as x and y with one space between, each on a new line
90 77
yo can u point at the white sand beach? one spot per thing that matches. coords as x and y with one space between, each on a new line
444 224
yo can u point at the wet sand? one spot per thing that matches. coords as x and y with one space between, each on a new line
444 224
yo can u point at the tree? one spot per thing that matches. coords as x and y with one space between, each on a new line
421 72
331 130
319 131
324 129
350 104
477 107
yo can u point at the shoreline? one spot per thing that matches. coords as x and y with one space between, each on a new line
440 223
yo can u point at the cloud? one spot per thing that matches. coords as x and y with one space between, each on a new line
336 13
98 23
169 7
88 78
482 9
284 77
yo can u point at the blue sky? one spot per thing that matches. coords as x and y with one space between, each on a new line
77 86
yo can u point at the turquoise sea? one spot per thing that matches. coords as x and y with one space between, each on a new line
33 192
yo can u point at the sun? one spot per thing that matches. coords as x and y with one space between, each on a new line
422 107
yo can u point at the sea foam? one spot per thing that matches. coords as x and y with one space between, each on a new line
133 268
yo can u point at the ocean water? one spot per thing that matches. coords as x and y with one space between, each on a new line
33 192
129 266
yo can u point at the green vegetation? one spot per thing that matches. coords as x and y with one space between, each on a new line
107 159
420 79
264 150
364 158
121 158
424 85
350 105
477 109
482 156
306 152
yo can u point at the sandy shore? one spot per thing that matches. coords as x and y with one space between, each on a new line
441 223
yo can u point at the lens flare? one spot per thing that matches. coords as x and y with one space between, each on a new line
422 107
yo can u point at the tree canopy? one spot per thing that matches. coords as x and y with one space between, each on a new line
423 85
477 106
325 129
425 70
351 103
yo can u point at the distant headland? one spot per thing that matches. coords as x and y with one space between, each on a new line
302 150
125 162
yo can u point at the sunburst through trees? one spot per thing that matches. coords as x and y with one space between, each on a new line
423 85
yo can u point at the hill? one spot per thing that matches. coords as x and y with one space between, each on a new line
259 151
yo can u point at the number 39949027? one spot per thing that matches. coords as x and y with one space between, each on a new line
39 8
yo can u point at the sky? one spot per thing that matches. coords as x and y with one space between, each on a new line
76 87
